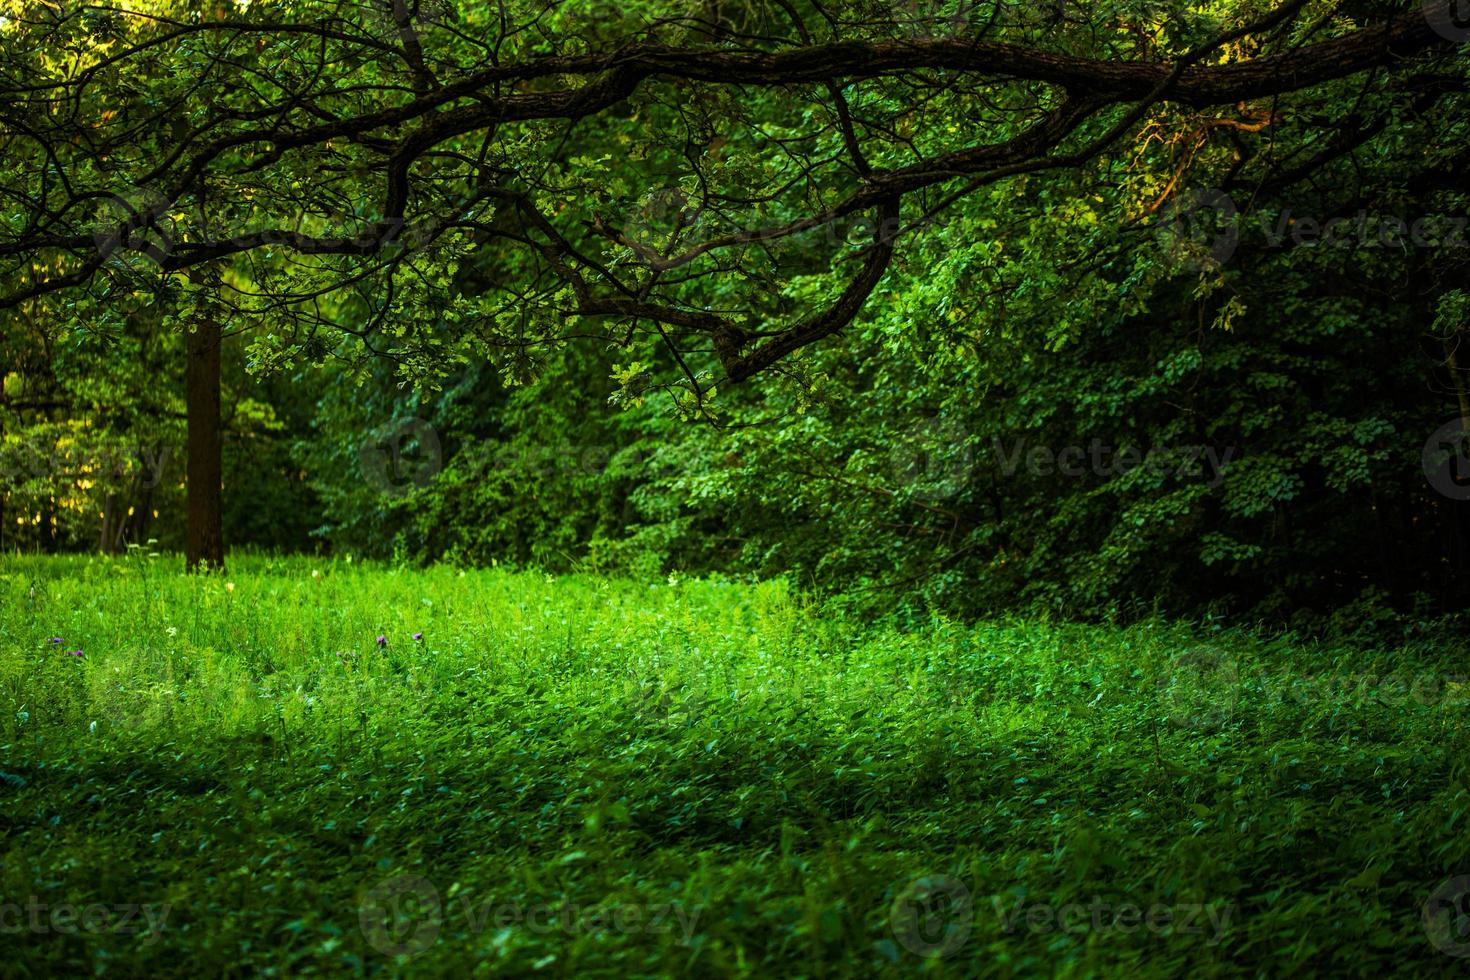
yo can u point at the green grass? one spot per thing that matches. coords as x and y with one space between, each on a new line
561 762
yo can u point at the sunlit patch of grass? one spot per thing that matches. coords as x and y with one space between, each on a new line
252 758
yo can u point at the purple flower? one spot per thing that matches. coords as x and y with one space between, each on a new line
56 641
73 653
382 641
418 637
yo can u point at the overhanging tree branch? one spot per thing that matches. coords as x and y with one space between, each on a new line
267 140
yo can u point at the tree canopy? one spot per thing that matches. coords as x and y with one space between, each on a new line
729 182
890 250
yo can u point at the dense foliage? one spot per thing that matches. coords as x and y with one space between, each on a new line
1276 423
1155 277
746 488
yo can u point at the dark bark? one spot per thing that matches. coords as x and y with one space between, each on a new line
50 536
142 517
204 546
110 540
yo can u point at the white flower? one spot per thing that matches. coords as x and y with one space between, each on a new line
173 631
229 586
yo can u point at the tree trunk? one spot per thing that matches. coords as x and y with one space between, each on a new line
142 516
204 545
50 527
108 541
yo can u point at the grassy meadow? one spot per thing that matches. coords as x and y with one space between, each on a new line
577 776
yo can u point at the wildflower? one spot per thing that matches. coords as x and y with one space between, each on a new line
173 631
56 641
229 586
418 637
382 641
316 573
73 653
